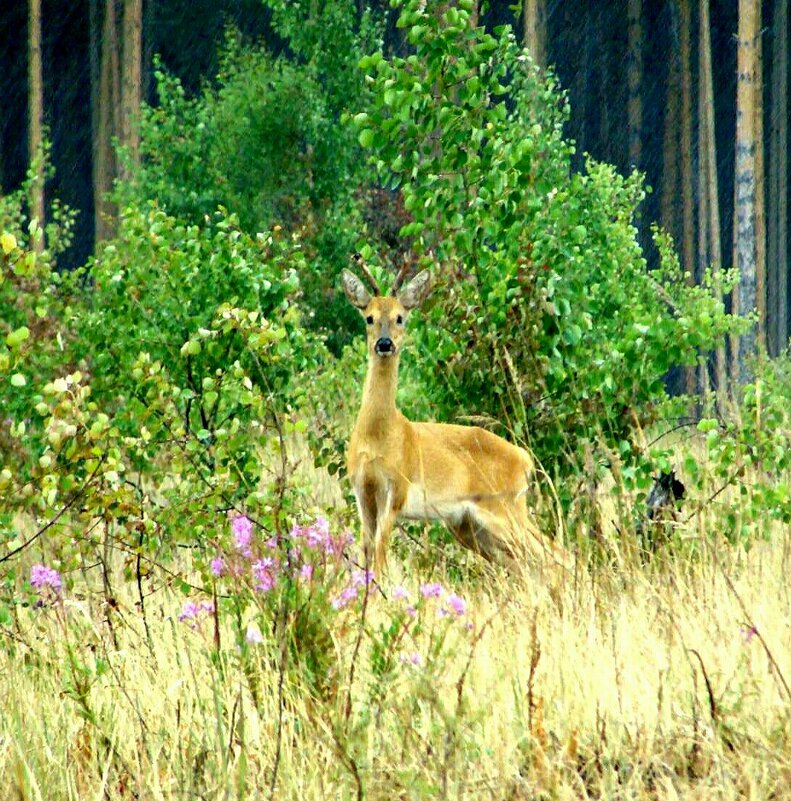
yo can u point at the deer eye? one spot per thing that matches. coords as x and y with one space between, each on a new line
400 320
369 319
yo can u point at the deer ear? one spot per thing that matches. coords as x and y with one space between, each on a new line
357 294
416 291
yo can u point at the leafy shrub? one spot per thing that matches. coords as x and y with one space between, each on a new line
748 455
266 142
546 317
34 303
156 290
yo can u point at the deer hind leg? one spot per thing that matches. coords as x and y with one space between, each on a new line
484 537
503 533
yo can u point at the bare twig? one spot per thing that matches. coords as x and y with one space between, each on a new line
69 503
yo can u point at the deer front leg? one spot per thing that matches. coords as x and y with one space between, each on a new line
384 528
365 495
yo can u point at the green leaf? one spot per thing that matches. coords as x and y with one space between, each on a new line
366 137
16 338
18 380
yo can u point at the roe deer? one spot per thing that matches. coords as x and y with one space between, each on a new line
472 480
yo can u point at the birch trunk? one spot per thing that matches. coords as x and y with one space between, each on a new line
744 234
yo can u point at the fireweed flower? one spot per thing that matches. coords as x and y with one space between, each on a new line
431 590
457 605
362 578
263 573
400 593
193 613
43 578
242 528
189 611
217 566
306 572
317 534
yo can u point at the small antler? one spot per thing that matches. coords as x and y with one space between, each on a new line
401 276
358 259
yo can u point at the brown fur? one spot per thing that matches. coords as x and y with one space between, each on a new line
471 479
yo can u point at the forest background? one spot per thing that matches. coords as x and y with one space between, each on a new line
601 193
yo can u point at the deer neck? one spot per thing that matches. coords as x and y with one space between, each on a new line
379 394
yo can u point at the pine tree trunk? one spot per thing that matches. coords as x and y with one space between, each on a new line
668 201
131 72
106 116
777 223
688 210
36 117
534 30
760 185
782 176
704 199
634 79
708 156
744 239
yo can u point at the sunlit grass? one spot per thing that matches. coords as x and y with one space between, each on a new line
658 680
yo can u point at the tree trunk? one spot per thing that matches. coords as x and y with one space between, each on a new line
777 222
669 204
106 114
704 199
744 234
688 210
634 80
132 77
708 155
782 176
36 116
760 184
534 30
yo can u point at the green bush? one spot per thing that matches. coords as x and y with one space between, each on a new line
265 141
546 317
157 288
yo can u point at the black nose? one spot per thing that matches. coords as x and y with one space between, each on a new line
384 346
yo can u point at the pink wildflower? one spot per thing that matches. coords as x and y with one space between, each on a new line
189 611
192 611
242 528
43 577
431 590
400 593
457 605
318 533
306 572
217 566
263 573
349 594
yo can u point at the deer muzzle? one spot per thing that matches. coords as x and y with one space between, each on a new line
384 347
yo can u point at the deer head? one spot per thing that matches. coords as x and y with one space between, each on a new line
385 316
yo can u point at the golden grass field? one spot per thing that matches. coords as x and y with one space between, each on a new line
658 681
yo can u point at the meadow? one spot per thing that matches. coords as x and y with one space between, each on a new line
645 680
185 610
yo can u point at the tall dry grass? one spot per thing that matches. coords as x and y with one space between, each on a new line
642 681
